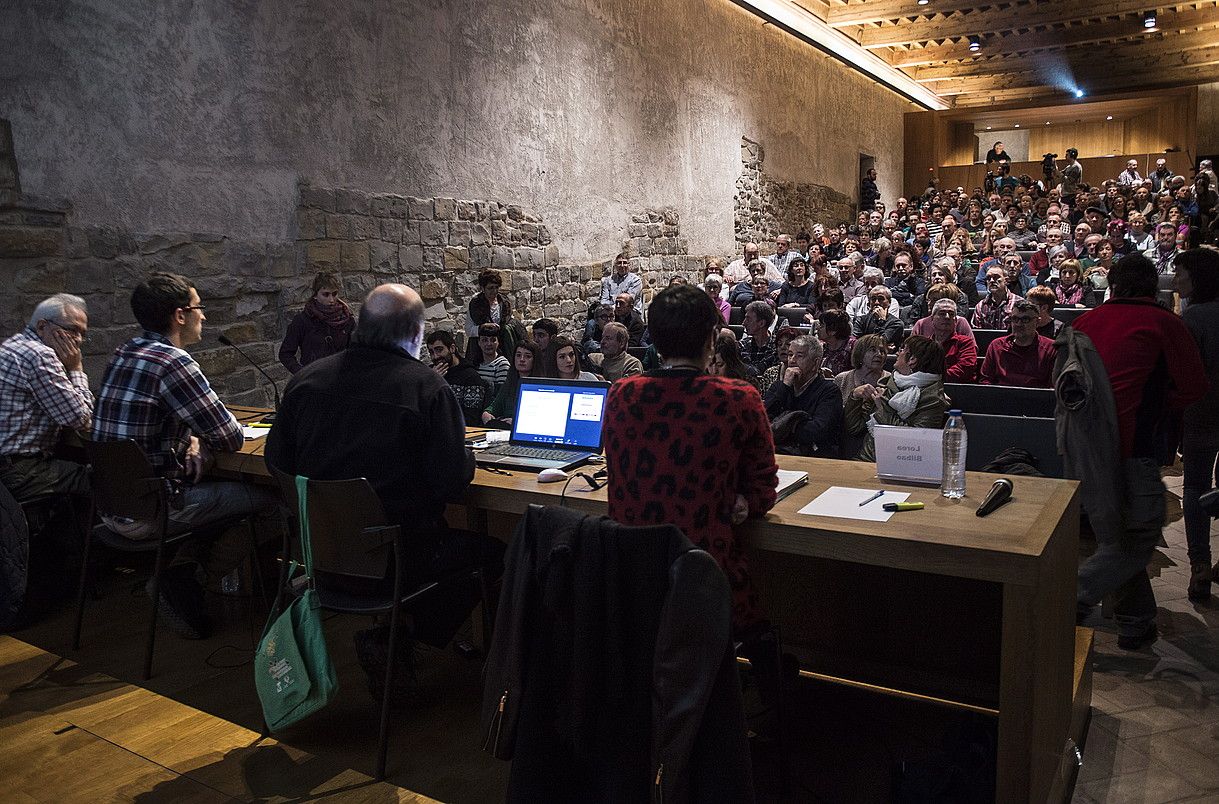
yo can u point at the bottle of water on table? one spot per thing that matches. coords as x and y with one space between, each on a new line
956 442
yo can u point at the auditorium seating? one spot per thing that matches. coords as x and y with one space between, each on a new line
991 434
983 338
1001 400
1067 315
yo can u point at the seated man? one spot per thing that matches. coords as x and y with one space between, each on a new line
155 394
904 284
622 280
879 319
859 306
1023 358
995 308
472 392
613 362
626 315
758 345
744 291
602 314
377 412
545 330
803 388
43 390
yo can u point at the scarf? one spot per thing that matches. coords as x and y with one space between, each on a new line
910 388
336 317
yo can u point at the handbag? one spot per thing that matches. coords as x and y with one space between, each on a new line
292 669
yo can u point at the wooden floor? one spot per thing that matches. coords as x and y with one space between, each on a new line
68 734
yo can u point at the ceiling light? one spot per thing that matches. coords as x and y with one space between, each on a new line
1047 122
1079 93
1149 19
923 2
1109 117
975 43
988 128
1017 125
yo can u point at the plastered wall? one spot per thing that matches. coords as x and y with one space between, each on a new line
201 117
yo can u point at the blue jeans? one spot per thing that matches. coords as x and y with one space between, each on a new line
1119 565
1201 475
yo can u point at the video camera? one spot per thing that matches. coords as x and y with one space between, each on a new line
1047 165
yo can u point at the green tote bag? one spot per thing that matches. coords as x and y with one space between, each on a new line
292 670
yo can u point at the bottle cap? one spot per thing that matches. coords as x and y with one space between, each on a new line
954 412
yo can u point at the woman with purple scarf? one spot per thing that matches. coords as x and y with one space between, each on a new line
322 329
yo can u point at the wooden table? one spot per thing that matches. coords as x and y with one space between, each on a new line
934 605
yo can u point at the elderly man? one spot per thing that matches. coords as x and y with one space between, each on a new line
613 362
155 394
758 345
850 280
44 390
859 306
1130 176
781 260
377 412
995 308
1020 233
817 427
1024 358
1154 365
1002 248
1160 176
627 314
1164 253
879 319
744 292
622 280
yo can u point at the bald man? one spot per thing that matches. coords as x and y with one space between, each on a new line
376 411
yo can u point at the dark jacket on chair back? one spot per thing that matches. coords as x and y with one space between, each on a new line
611 675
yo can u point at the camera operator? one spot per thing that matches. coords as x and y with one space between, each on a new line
1072 177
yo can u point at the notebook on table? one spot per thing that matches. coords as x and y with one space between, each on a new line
557 426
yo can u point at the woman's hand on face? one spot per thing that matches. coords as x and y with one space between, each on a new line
740 509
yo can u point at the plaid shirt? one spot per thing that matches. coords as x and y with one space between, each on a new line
155 394
989 315
38 397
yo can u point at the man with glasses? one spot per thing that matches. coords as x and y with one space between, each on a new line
43 390
155 394
1024 358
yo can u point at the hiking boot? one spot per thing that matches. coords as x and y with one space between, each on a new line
181 603
1200 576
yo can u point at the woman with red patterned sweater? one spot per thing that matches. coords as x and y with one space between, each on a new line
690 449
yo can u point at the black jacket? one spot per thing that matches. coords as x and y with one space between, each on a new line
472 392
821 435
611 675
380 414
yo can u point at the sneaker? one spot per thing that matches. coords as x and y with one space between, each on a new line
1127 642
1200 576
181 604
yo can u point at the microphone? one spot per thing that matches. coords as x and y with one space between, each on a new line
999 494
270 417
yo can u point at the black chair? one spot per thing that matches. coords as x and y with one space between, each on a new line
125 485
637 352
353 542
736 315
1067 315
737 330
991 434
1001 400
793 315
23 523
983 338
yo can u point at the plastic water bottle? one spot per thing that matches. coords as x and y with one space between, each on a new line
956 443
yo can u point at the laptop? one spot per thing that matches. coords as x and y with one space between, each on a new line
557 426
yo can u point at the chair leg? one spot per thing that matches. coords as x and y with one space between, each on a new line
80 597
158 571
255 567
391 663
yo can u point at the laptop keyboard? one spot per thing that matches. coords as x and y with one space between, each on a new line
540 453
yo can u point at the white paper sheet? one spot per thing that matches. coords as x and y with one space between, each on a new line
252 433
844 503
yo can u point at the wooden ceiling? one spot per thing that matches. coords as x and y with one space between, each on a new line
1037 51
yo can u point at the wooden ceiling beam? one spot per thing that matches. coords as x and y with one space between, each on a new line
995 21
885 10
1168 44
1162 79
1206 16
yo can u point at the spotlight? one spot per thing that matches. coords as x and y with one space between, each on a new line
1047 122
988 128
923 2
1079 93
1017 125
1149 20
975 43
1109 117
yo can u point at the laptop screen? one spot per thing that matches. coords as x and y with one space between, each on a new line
564 413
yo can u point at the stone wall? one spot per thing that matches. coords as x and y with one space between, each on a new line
766 207
252 289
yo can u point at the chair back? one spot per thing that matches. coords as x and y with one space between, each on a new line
347 525
1067 315
124 482
983 338
1002 400
991 434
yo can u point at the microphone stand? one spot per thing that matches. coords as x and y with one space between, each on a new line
270 417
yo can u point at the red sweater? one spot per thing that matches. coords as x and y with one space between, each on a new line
960 358
1153 364
679 447
1029 366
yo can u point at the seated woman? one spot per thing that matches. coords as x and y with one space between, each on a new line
1070 291
484 355
868 357
783 338
713 286
797 291
816 429
943 272
1045 301
913 396
567 359
834 330
960 351
726 360
502 409
321 329
602 315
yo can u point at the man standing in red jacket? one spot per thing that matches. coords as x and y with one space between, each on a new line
1154 366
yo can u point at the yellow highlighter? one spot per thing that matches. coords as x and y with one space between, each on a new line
903 506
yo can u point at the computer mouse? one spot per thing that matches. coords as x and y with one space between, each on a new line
551 475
